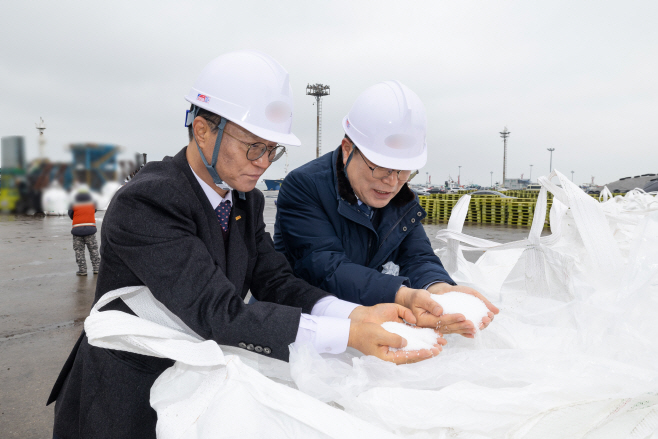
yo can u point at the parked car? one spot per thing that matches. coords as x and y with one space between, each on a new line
487 192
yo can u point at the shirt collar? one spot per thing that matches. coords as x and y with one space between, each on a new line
368 210
214 198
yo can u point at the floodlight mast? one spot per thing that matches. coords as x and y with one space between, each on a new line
41 127
318 90
504 134
551 164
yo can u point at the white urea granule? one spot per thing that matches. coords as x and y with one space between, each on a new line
417 338
469 306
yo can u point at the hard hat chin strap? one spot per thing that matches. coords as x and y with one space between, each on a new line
349 159
189 118
215 153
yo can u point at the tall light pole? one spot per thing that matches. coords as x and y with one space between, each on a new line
459 176
551 150
530 173
318 90
504 134
491 172
41 127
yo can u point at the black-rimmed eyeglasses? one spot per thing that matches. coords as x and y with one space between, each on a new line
380 173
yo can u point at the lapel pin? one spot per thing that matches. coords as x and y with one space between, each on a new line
238 217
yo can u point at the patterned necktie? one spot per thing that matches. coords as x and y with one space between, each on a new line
223 213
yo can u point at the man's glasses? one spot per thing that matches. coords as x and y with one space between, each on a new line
256 150
381 173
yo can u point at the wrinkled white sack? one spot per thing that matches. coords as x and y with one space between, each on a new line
55 200
572 353
211 391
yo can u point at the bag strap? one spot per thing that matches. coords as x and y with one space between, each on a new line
154 331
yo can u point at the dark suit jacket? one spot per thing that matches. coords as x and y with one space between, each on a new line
161 231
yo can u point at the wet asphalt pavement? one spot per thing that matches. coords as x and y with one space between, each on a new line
43 305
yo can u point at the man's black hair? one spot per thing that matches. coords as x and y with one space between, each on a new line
212 119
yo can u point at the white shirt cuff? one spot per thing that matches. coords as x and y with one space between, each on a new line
327 328
332 306
326 334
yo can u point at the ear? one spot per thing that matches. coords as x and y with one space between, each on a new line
201 130
346 146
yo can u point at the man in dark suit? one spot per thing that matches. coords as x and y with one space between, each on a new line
198 241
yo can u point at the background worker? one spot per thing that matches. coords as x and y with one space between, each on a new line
344 215
191 229
82 212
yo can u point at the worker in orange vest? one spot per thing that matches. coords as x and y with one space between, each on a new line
84 232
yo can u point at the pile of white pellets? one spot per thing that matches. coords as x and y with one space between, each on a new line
469 306
453 302
417 338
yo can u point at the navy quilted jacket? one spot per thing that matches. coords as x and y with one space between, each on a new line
331 242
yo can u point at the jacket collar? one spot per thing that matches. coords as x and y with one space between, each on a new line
233 267
216 248
403 208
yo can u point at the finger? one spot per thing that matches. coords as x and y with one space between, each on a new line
427 320
423 354
449 319
485 322
406 314
460 328
449 322
430 305
441 341
405 357
489 305
389 339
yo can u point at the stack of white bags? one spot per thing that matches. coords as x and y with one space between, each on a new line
55 201
572 354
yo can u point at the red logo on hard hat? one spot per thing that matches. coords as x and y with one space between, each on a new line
202 98
278 112
347 122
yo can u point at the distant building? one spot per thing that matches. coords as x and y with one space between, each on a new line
629 183
94 164
516 183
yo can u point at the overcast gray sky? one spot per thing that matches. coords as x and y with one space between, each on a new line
577 76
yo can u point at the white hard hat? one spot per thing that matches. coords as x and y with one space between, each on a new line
250 89
388 125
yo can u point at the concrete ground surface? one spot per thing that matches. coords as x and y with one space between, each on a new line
43 305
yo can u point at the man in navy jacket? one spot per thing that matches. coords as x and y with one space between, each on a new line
341 217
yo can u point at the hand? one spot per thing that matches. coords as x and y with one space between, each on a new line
371 339
456 323
384 312
427 312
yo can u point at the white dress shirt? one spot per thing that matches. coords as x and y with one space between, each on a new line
327 328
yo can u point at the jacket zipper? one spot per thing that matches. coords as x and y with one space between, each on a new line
369 246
